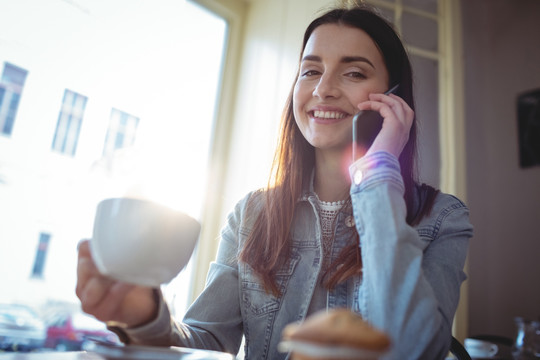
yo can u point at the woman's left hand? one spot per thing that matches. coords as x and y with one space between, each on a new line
398 119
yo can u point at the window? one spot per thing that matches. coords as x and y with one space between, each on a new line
121 133
11 86
123 76
69 123
41 255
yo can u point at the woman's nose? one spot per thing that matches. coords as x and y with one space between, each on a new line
326 87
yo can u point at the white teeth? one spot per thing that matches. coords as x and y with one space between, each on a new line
328 114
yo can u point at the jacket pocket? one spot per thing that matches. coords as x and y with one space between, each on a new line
255 300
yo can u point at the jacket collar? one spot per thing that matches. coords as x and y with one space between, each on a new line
309 195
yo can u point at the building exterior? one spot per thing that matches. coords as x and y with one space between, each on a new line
94 105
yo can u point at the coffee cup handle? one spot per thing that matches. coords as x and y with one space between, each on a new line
493 349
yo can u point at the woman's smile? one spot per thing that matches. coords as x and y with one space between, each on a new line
327 115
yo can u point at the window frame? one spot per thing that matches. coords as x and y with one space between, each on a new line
234 13
451 103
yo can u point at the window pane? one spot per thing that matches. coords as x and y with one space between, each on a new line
2 93
420 31
121 133
11 86
69 123
426 5
41 254
13 75
427 113
11 112
388 14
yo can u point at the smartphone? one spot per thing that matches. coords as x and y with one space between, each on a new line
366 125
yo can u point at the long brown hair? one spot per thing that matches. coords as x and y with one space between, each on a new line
268 246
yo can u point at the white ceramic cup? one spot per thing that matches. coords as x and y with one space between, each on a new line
480 348
141 242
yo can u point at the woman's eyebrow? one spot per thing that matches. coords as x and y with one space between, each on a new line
345 59
350 59
312 58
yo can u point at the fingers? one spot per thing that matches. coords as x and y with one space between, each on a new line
389 106
84 248
100 295
93 288
94 291
108 299
399 105
103 298
398 118
86 269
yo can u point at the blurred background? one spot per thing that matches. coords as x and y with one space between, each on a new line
98 99
179 101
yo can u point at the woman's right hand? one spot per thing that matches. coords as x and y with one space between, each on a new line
111 300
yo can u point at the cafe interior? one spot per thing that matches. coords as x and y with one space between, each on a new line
179 101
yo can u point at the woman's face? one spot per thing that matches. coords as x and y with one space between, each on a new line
340 67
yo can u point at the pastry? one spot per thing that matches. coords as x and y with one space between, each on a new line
334 334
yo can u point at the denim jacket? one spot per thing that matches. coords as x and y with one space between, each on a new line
409 286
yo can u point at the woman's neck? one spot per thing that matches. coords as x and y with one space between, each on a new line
331 181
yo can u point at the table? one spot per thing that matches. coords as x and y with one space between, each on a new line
70 355
106 351
129 352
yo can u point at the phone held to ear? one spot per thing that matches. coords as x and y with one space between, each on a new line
366 126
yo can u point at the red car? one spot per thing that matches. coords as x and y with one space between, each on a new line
72 331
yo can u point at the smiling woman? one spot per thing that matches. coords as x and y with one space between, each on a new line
115 96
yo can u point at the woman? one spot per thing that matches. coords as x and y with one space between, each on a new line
381 245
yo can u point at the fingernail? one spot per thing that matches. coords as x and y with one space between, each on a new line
80 242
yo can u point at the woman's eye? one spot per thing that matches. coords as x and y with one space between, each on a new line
310 73
356 74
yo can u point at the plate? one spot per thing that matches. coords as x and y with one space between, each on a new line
138 352
328 351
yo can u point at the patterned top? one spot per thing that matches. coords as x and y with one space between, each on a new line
327 214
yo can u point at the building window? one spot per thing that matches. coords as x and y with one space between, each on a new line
69 123
41 255
11 86
121 133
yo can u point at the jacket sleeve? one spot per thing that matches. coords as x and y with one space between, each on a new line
411 276
214 320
